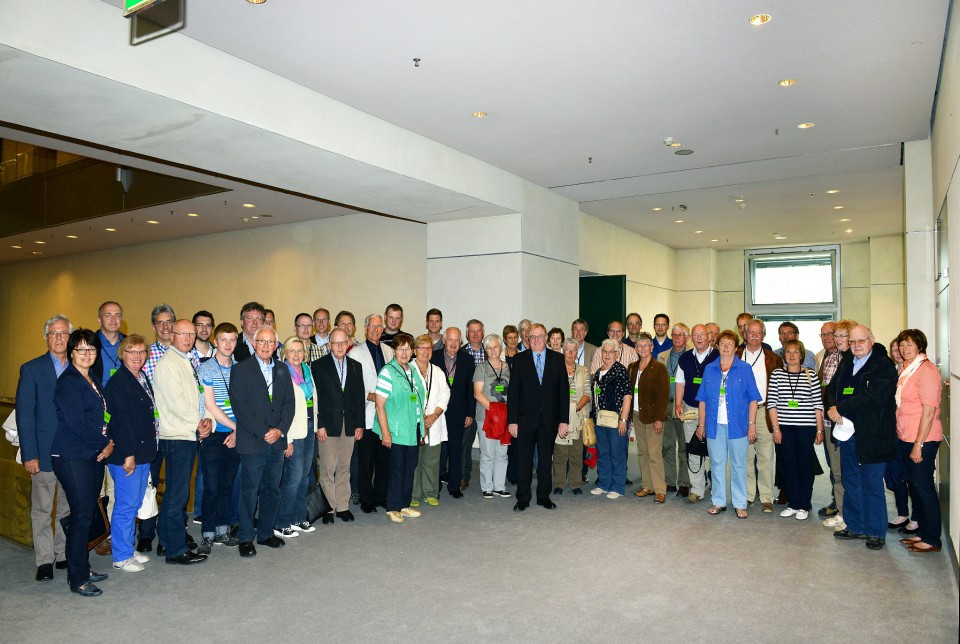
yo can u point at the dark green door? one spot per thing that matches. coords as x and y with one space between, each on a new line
602 298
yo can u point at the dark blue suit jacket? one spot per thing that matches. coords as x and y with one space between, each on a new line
36 414
532 404
252 406
79 418
131 419
336 408
462 403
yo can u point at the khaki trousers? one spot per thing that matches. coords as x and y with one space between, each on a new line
762 477
49 543
698 478
426 478
335 455
650 455
568 460
833 458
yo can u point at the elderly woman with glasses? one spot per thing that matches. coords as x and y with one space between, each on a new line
611 405
491 379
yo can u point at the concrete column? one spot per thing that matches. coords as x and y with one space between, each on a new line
920 252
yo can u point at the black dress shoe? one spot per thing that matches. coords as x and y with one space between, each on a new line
145 545
457 494
547 503
520 506
875 543
346 515
558 490
629 482
671 488
97 576
191 542
906 530
61 565
683 491
187 559
272 541
327 518
577 491
87 590
368 508
44 572
894 526
161 550
247 549
847 535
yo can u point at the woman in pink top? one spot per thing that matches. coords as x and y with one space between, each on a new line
920 433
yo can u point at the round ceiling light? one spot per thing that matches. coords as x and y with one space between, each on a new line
760 19
479 115
805 126
787 82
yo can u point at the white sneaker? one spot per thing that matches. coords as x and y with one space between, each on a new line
801 515
285 533
598 491
831 522
141 558
840 525
303 526
128 565
789 512
613 495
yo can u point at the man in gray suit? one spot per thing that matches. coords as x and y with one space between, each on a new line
36 426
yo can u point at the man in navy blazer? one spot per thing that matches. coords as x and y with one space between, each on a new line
538 408
261 392
36 426
458 365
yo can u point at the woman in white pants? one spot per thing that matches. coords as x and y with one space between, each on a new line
491 379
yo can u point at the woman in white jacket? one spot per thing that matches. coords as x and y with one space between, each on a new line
426 478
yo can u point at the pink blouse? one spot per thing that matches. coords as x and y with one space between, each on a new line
923 388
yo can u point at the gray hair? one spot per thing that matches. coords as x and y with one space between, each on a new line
524 322
56 318
763 327
366 320
609 343
492 338
570 342
158 309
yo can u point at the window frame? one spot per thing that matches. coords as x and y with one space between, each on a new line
807 310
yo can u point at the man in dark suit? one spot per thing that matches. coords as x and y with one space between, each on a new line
458 366
538 408
340 421
261 392
36 426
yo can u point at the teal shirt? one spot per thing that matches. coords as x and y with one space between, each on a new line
404 406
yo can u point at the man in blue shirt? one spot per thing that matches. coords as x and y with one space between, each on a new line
661 343
790 331
110 316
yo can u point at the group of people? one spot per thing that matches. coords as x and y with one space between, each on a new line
388 420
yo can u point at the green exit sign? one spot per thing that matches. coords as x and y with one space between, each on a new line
131 7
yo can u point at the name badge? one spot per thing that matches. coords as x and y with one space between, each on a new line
636 389
156 414
413 397
200 389
698 381
673 379
450 380
596 390
271 397
310 404
824 383
106 416
113 371
723 391
573 392
793 403
498 388
847 391
226 401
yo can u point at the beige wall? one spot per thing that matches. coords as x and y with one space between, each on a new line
289 268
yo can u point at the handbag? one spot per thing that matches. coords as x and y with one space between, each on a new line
608 418
148 508
317 504
99 527
588 433
495 420
696 447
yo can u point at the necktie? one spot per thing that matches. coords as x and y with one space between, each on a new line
540 367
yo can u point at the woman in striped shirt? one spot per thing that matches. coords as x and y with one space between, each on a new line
796 416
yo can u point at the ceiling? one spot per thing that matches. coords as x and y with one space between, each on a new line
580 96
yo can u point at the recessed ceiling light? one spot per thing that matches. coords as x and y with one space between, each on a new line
849 230
683 153
833 191
805 126
698 231
779 237
152 221
671 142
36 252
192 214
255 217
657 209
678 221
72 237
714 240
39 242
838 207
256 1
249 205
479 115
760 19
16 246
110 230
845 219
787 82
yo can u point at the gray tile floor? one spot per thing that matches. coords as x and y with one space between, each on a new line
594 570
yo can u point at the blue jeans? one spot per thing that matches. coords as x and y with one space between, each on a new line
403 462
81 479
611 459
293 484
198 487
864 497
798 464
179 457
128 491
721 450
260 478
923 492
219 464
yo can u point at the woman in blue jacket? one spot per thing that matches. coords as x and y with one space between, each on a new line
80 446
728 399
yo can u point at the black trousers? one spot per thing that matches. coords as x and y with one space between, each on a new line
529 440
81 479
374 464
454 454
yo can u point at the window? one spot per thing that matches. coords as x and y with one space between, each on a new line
800 285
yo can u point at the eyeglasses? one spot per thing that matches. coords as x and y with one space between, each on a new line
374 326
85 351
539 336
58 334
826 335
136 352
859 342
303 326
266 343
840 335
339 343
186 333
163 323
